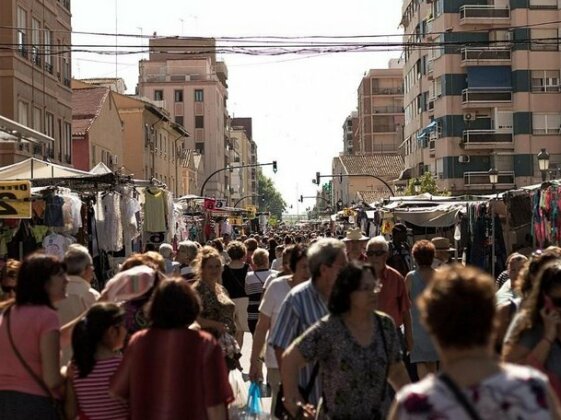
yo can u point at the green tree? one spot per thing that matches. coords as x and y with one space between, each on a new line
270 200
428 185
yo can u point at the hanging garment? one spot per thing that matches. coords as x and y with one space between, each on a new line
154 210
53 211
55 244
113 227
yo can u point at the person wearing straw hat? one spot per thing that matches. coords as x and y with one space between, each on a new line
442 251
355 243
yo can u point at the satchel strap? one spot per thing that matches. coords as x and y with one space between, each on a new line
460 396
385 344
35 377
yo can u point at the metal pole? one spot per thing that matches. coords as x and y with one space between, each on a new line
493 257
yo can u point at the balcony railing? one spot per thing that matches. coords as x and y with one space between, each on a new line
486 54
483 13
480 95
387 91
387 110
480 179
484 139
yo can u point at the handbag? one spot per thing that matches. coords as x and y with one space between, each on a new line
460 397
57 405
280 410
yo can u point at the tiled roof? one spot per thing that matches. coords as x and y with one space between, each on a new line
371 196
386 166
86 106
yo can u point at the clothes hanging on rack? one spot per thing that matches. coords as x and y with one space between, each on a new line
154 210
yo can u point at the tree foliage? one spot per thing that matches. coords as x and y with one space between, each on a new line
271 200
428 185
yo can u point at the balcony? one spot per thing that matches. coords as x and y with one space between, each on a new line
480 180
386 110
487 139
387 91
473 14
486 56
478 96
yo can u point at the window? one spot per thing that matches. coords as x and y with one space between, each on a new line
544 39
37 119
22 31
23 113
545 80
67 139
35 41
178 95
199 95
179 119
94 160
543 4
199 121
47 53
546 123
200 147
158 95
49 124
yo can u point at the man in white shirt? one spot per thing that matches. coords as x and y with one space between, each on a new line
79 293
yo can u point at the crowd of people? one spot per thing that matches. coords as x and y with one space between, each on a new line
342 328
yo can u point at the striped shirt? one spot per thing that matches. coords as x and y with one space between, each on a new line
301 309
254 285
92 392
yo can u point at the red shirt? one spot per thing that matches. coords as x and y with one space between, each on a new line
172 374
393 299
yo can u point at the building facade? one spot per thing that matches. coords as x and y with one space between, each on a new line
35 76
156 146
486 95
380 110
350 134
243 130
182 76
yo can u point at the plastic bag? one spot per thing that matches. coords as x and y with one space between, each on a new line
254 399
239 388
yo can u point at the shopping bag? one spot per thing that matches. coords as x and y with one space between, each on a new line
254 400
239 388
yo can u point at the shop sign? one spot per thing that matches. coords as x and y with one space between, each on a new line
220 204
15 200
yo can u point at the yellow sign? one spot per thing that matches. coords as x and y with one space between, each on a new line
252 211
15 200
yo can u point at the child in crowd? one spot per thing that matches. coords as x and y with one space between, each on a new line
96 341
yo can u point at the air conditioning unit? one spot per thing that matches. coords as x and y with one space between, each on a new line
468 116
463 159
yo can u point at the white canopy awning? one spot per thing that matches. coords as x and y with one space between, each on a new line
36 169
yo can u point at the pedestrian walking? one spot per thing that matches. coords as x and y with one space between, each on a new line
30 379
96 341
356 350
255 284
458 308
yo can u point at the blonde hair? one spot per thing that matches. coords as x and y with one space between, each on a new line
205 254
260 257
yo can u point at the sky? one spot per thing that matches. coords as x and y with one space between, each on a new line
298 103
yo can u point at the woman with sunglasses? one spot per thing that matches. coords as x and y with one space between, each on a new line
9 279
534 338
356 351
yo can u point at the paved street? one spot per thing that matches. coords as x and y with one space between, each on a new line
246 354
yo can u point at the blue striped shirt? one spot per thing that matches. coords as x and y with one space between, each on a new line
301 309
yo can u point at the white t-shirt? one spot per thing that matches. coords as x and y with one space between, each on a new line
270 306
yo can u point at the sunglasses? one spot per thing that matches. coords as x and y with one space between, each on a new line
376 289
377 253
8 289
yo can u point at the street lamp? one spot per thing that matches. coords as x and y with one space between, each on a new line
494 180
543 163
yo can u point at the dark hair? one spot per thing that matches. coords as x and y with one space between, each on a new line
89 332
347 282
251 244
33 276
217 243
174 304
236 250
297 252
459 299
423 252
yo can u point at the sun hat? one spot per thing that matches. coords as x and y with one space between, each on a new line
355 235
442 244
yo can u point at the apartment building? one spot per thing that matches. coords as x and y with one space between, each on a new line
380 110
350 133
485 95
183 76
242 131
35 77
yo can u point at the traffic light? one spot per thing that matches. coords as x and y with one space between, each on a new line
301 198
317 178
274 166
340 178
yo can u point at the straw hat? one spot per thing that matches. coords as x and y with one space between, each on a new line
355 235
442 244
